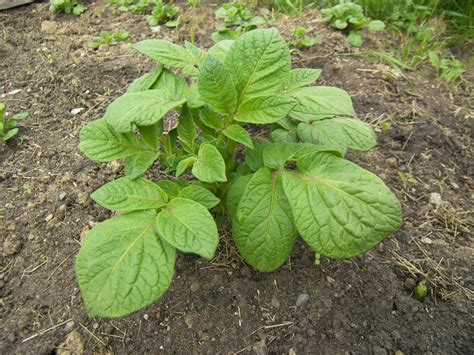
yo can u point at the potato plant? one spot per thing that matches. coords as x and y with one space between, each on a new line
349 17
193 120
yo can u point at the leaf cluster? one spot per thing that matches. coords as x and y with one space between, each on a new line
9 125
109 39
237 19
191 116
67 6
133 6
301 37
349 17
163 13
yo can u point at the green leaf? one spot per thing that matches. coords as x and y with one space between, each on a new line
253 157
319 102
220 49
376 25
341 133
340 209
281 135
123 266
126 194
141 108
165 52
174 86
264 109
19 116
235 192
199 55
264 231
189 227
151 134
216 86
275 155
184 164
302 77
171 188
99 142
355 39
210 118
186 129
146 81
210 166
259 62
239 135
200 195
10 134
136 165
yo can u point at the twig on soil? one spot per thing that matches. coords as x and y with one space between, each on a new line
92 334
46 330
32 270
406 142
284 324
60 264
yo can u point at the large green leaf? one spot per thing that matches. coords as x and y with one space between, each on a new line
170 187
319 102
235 192
186 130
302 77
126 194
210 166
137 164
189 227
220 49
166 52
259 62
142 108
101 143
200 195
216 86
198 54
123 265
275 155
174 87
264 231
253 157
340 209
146 81
210 118
341 133
264 109
238 134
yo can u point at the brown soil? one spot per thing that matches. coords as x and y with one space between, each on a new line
360 306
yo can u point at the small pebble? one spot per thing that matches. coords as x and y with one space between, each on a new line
392 161
302 299
83 199
195 286
49 217
146 316
69 326
11 245
435 199
62 195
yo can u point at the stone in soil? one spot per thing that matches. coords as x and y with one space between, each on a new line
12 245
73 345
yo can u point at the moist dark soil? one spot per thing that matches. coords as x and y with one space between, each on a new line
358 306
